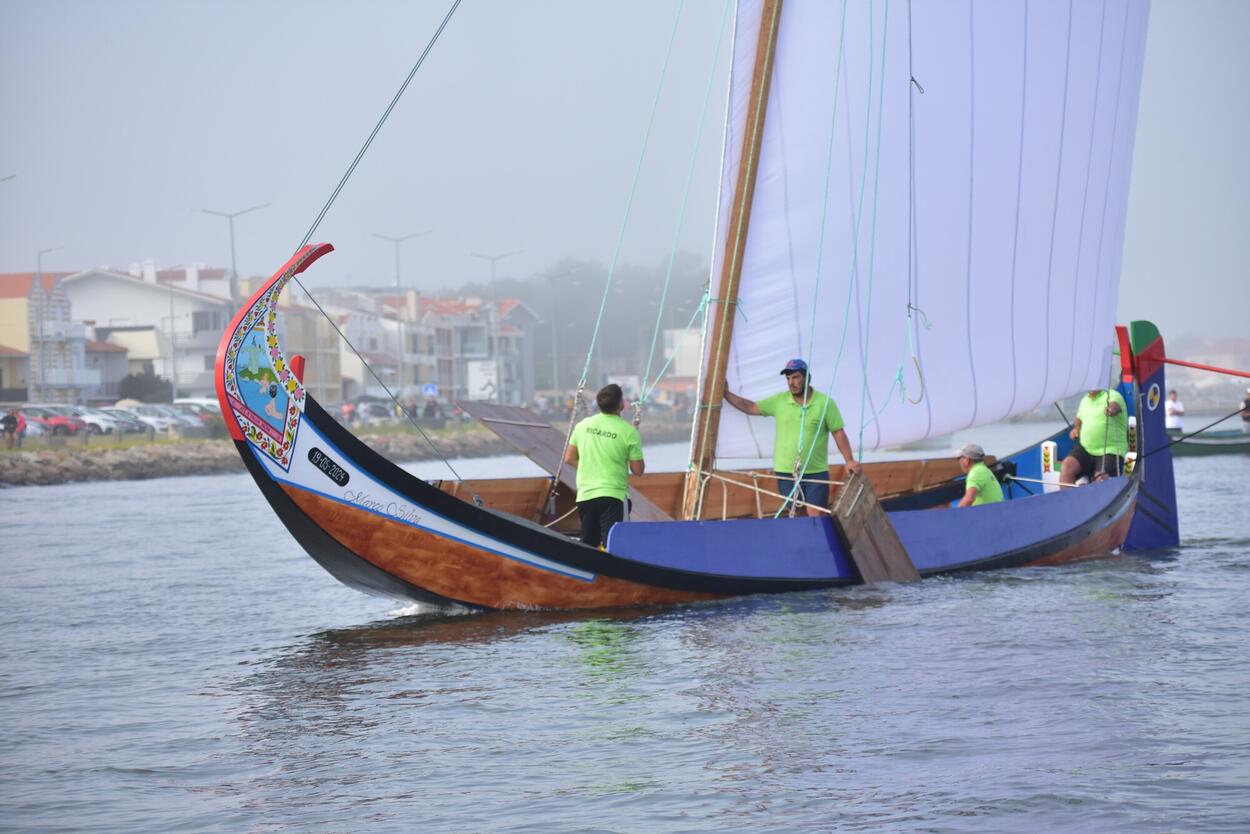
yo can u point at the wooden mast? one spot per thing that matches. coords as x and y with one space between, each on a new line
725 296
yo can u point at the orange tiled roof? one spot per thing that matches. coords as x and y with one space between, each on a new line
18 284
104 347
460 307
8 351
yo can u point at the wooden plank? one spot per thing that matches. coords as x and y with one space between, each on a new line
542 443
875 547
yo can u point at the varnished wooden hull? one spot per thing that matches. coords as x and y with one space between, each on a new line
381 530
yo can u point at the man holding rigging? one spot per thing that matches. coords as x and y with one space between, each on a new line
1101 434
805 416
605 449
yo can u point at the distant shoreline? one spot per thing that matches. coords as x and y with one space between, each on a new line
74 463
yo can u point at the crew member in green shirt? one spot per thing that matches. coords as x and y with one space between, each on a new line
811 427
1101 434
980 485
605 449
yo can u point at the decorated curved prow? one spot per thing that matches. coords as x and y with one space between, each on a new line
262 400
1142 356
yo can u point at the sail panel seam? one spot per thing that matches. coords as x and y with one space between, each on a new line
1054 217
1089 165
1106 191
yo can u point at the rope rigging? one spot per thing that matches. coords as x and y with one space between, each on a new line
645 393
616 253
802 461
325 210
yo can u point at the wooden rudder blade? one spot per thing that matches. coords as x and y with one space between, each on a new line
875 546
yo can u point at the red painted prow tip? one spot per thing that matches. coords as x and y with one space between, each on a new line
301 260
297 367
1127 371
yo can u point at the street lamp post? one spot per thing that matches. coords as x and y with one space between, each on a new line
396 241
234 268
42 308
494 303
403 347
555 328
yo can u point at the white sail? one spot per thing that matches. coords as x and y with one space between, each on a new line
1019 148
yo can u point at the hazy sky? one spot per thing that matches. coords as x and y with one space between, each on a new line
121 120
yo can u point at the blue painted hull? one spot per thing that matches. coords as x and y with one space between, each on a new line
1030 530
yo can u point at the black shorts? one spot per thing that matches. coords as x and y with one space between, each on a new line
1091 465
597 516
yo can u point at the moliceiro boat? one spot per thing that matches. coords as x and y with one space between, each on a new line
930 209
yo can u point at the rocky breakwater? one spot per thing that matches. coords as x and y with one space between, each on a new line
105 462
43 467
58 466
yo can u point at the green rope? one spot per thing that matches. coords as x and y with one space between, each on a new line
646 392
633 188
820 244
872 234
681 212
846 315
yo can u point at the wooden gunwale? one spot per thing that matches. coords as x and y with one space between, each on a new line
524 497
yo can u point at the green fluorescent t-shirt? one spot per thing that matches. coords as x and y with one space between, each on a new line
605 445
987 487
1100 434
791 423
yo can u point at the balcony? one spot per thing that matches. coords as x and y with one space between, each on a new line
56 331
71 377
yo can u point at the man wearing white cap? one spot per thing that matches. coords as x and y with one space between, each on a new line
980 485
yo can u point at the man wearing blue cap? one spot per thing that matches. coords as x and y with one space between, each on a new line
805 419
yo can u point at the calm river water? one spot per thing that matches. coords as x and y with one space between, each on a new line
172 661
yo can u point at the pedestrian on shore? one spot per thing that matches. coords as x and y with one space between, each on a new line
9 424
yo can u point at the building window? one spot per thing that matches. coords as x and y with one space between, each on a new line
202 320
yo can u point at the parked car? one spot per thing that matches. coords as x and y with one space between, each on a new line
52 423
199 412
209 415
130 424
151 416
182 419
200 405
97 423
375 414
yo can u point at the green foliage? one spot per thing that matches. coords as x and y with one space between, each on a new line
146 387
568 295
